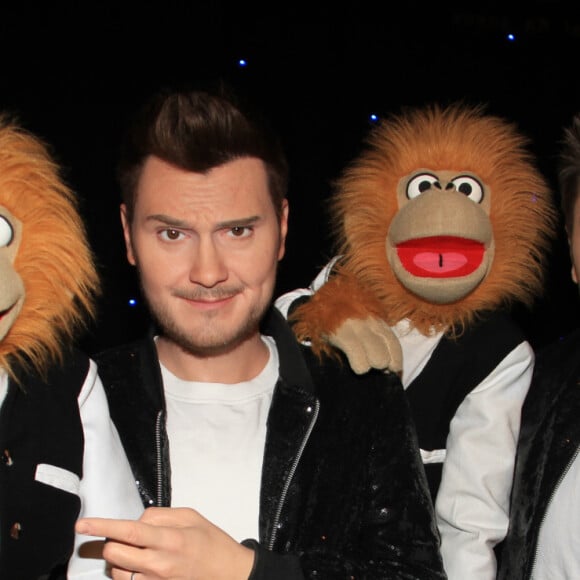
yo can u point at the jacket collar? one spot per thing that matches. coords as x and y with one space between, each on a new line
293 369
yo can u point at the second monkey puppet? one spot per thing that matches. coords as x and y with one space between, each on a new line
441 223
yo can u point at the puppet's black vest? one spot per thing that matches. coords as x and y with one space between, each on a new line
40 423
455 368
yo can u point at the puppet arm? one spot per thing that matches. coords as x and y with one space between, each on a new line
108 487
337 312
368 344
472 504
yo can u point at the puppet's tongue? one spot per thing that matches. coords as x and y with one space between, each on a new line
440 256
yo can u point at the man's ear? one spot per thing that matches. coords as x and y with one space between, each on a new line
283 228
574 273
127 234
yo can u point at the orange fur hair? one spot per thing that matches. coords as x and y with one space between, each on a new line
458 138
54 259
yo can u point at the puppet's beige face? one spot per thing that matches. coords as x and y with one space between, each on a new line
11 286
440 243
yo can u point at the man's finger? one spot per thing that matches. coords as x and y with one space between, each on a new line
125 531
171 517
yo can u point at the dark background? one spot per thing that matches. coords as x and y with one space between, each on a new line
73 72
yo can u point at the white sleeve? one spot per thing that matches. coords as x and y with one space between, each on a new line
472 504
284 302
107 488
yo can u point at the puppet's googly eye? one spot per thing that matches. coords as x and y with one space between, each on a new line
419 184
6 232
470 187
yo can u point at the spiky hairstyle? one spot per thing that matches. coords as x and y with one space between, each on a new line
569 172
458 137
54 260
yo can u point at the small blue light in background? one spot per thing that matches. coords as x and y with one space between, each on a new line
373 118
132 302
511 37
242 62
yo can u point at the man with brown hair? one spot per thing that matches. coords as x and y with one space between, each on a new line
261 461
542 540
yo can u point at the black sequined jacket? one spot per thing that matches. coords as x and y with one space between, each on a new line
549 440
343 493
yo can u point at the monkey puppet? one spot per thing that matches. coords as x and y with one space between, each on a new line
61 457
441 223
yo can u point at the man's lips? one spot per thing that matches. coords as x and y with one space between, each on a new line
440 256
207 301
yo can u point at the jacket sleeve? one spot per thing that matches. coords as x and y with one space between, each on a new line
107 488
268 565
473 500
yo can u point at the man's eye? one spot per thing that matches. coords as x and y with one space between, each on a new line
171 234
240 231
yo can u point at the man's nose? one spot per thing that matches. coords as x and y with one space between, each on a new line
208 267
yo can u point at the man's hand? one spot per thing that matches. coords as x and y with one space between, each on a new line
176 543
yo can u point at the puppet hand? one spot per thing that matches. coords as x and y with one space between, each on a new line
368 343
169 543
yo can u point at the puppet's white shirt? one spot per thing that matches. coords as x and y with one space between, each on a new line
472 504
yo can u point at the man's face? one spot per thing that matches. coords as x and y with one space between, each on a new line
207 248
574 240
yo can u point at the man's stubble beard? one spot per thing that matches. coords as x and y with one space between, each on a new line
207 344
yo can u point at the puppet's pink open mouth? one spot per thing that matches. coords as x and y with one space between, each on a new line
440 256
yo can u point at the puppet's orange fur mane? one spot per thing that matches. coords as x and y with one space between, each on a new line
54 259
462 138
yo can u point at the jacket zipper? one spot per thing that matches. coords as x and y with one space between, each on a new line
558 483
159 459
291 475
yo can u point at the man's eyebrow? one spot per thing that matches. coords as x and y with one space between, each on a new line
242 222
167 220
177 223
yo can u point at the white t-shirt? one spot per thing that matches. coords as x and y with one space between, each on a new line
216 435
